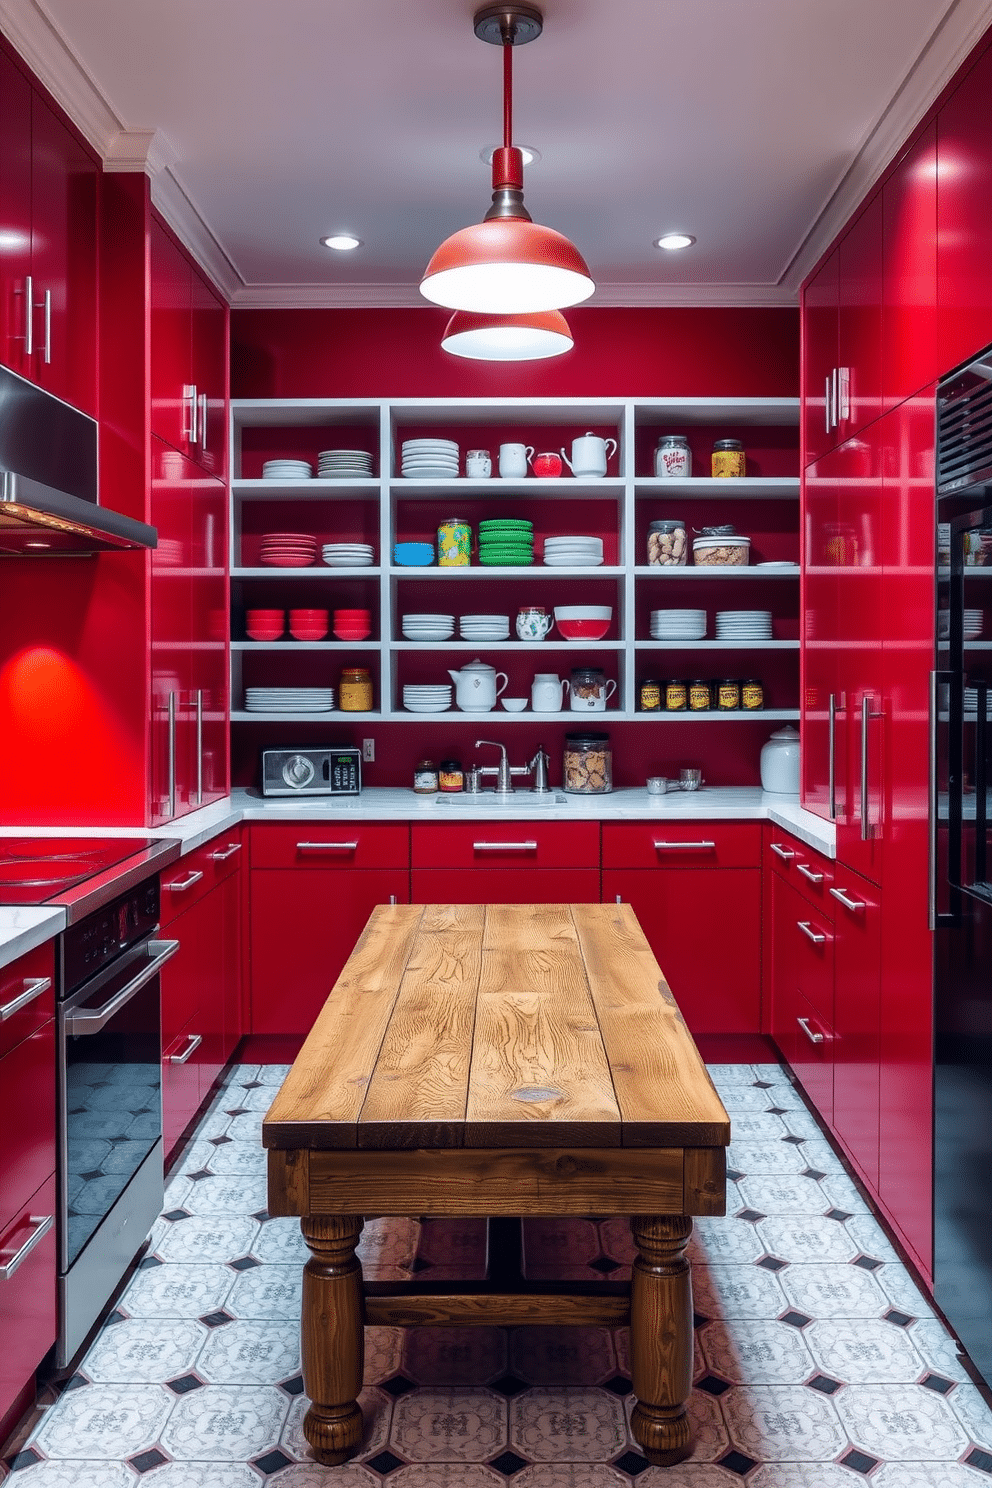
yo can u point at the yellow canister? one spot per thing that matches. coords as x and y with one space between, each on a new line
355 691
728 458
454 543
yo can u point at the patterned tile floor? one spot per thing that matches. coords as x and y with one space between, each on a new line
819 1363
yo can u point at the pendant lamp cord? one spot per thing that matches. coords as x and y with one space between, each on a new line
509 31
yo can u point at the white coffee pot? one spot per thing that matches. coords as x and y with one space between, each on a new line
546 692
476 686
589 456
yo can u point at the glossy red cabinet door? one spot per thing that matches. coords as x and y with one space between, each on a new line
27 1299
171 339
859 295
505 886
303 926
857 984
802 977
819 358
818 648
15 212
172 735
208 656
180 1086
910 352
964 223
209 375
27 1119
704 927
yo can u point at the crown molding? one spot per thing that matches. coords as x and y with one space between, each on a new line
145 150
962 27
407 296
189 225
38 38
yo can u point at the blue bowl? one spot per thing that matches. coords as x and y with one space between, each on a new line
413 555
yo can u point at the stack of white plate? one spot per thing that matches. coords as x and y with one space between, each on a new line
678 625
577 552
484 627
348 554
424 698
342 464
973 620
971 701
289 699
430 459
287 470
428 627
288 549
743 625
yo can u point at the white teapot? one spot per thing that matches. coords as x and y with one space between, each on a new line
589 456
476 686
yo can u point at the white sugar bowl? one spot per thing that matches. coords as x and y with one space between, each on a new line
780 763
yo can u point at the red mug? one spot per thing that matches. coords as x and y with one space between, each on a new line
547 465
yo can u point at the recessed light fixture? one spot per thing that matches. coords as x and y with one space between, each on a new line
343 242
672 241
530 154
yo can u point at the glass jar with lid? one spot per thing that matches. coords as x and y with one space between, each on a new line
667 543
355 691
587 764
589 690
673 457
728 458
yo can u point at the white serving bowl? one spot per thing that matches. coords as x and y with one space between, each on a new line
514 705
583 612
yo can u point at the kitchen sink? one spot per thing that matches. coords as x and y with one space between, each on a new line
520 800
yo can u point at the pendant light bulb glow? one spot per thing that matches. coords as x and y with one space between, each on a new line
507 264
516 338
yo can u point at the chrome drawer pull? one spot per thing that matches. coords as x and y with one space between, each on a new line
195 1040
854 904
327 847
808 873
42 1226
814 1038
33 987
686 846
504 846
814 935
180 885
228 852
781 852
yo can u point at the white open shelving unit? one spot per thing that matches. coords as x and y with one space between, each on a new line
384 425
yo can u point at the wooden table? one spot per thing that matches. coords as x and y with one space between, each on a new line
500 1060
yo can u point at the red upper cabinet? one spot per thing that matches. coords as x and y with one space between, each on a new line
910 351
859 318
819 358
964 223
15 211
209 374
189 356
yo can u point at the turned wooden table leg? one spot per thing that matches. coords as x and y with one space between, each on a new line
333 1336
661 1338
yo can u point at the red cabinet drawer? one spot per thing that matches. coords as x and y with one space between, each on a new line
27 1119
506 886
25 979
506 844
185 882
27 1298
813 1057
681 844
180 1085
323 844
808 871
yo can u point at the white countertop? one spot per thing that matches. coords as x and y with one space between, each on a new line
24 926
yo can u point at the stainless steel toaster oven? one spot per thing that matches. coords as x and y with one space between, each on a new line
336 771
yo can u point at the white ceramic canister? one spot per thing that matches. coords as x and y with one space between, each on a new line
780 763
546 692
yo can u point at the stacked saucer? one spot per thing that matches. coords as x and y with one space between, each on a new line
289 699
573 552
484 627
430 459
348 554
344 464
743 625
973 620
425 698
428 627
678 625
287 470
288 549
506 541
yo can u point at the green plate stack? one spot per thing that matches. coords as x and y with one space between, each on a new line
506 541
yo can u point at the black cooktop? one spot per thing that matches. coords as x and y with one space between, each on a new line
81 873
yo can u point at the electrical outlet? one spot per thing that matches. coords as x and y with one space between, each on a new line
368 751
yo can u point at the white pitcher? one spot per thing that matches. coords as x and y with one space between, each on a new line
589 456
546 692
476 686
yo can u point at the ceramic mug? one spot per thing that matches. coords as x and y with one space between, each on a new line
533 623
596 702
513 460
546 692
478 464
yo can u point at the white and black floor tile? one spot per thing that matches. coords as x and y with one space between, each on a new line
818 1363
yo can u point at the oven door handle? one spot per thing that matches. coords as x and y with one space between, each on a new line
92 1020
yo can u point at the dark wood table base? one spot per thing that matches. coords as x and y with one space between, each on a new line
337 1304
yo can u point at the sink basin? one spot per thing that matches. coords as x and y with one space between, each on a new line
490 801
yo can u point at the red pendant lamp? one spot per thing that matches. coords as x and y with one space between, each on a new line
507 264
507 338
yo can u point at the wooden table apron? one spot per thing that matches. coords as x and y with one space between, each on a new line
505 1061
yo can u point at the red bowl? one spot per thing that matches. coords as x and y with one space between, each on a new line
309 614
272 616
264 632
308 632
352 614
583 630
352 632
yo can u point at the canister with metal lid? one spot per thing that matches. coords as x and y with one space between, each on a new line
587 764
673 457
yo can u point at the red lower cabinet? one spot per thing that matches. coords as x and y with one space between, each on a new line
505 863
857 987
802 991
27 1293
505 886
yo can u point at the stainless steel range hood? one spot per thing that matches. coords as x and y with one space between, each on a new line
49 501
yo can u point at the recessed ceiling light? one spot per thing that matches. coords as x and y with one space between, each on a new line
343 242
531 156
671 241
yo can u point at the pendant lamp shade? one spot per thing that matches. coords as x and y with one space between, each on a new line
507 266
516 338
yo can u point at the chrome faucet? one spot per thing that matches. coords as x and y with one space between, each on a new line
504 771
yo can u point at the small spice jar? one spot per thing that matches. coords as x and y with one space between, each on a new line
425 780
650 695
587 764
752 695
676 695
454 543
728 458
727 694
673 457
355 691
700 695
450 776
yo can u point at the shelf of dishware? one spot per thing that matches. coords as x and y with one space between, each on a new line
297 575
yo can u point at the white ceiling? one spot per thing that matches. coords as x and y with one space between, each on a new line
754 124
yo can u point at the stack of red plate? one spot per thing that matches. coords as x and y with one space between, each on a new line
352 625
288 549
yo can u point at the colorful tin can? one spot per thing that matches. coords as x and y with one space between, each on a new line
454 543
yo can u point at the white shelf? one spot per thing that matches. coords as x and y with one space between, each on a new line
248 647
598 720
333 715
712 571
314 571
511 645
716 645
306 490
530 487
477 571
743 488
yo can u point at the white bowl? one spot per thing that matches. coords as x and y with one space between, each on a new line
583 612
514 705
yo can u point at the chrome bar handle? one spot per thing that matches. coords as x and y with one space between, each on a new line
189 398
29 315
865 715
843 393
92 1020
48 327
832 757
504 846
814 1038
33 987
826 403
180 885
834 379
932 805
172 754
199 747
814 935
781 852
228 852
203 421
42 1225
685 846
808 873
853 904
327 847
194 1042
